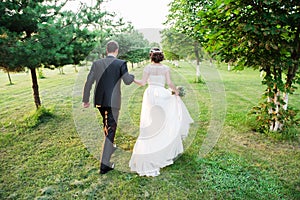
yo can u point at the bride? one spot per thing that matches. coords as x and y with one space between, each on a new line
164 120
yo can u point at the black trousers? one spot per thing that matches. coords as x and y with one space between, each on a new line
110 118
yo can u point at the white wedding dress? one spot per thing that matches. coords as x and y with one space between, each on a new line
164 123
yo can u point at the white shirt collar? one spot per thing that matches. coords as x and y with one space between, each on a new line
111 55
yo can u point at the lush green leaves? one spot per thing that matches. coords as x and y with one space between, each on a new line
133 46
45 33
176 45
263 34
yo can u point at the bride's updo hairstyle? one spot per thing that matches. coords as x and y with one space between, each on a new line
156 55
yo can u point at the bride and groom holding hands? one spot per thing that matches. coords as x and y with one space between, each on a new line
164 119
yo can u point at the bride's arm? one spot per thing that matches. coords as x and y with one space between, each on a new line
143 81
170 83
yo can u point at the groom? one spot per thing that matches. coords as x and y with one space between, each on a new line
107 73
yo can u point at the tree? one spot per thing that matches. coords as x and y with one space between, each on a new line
178 46
72 43
264 35
109 30
7 63
36 33
183 18
133 46
18 22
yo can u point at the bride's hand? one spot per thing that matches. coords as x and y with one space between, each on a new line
174 92
139 82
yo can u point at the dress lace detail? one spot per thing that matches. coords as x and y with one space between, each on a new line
156 69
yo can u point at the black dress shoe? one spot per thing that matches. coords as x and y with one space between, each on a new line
104 168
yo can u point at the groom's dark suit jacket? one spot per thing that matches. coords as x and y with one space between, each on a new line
107 73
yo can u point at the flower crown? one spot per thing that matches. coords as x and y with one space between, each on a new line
155 50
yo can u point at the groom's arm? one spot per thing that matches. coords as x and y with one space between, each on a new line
87 87
126 77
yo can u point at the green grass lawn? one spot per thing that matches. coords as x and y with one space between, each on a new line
55 155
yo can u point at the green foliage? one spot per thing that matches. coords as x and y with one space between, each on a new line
137 55
265 119
184 17
272 109
176 45
262 35
41 74
181 40
199 80
133 47
46 33
252 35
39 116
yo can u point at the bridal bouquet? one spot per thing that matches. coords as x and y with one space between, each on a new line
181 91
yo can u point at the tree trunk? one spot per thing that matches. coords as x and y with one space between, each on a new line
196 51
286 100
75 68
275 123
61 70
9 78
198 71
261 74
35 88
273 96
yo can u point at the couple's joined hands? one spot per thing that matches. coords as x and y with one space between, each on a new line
139 82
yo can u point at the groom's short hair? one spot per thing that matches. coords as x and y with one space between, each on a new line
112 46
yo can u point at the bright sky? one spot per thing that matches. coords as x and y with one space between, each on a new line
142 13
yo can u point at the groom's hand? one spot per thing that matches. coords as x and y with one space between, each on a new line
86 104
